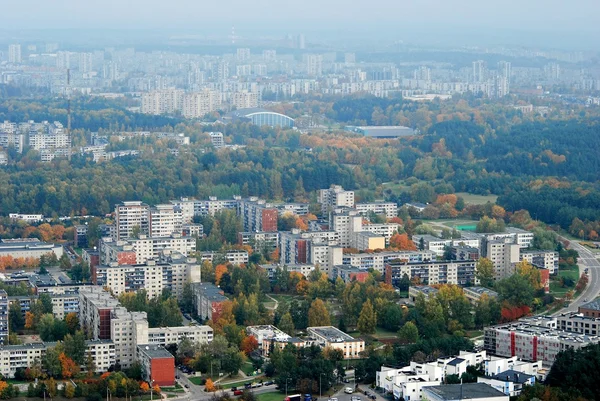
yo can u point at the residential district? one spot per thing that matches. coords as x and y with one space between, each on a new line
153 249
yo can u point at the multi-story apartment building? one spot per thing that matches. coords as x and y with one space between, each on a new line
166 101
131 216
335 197
432 272
259 240
329 336
244 100
504 257
171 272
208 301
216 138
14 53
174 335
474 294
14 139
164 220
377 261
102 353
127 330
388 209
137 251
258 215
233 256
53 136
95 308
438 245
533 342
208 207
345 222
199 104
304 269
544 259
3 316
294 245
386 230
325 256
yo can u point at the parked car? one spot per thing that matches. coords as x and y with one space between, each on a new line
348 390
355 398
346 380
247 385
233 388
238 392
186 385
373 397
269 383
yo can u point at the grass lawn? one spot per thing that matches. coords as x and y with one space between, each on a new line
474 333
570 273
196 380
241 383
248 369
274 396
383 333
477 199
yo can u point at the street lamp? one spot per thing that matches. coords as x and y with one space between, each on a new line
286 385
151 392
320 391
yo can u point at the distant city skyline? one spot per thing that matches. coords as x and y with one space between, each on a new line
462 21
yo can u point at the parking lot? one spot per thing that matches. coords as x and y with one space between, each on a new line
356 395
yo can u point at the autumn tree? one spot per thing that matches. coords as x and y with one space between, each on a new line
286 324
249 344
210 386
219 271
318 315
68 367
484 272
409 333
402 242
144 387
367 320
531 273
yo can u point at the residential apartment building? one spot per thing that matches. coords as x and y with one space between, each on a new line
127 330
234 256
259 240
303 269
53 136
174 335
199 104
504 257
258 215
438 245
265 334
244 100
433 272
158 365
171 272
325 256
349 274
335 197
208 301
17 140
28 248
415 291
95 308
137 251
102 353
131 216
329 336
345 222
3 317
388 209
166 101
378 260
541 258
474 294
164 220
216 138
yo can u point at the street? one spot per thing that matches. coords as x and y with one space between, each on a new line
589 261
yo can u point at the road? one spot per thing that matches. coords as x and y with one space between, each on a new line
194 392
586 260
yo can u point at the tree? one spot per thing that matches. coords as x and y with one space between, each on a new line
249 344
64 262
187 298
531 273
367 320
487 312
210 385
46 301
484 272
402 242
72 322
75 347
516 290
409 333
68 367
69 390
51 362
145 388
286 324
318 315
15 317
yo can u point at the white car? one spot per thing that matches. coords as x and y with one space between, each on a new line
348 390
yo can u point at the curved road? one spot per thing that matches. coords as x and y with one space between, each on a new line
586 260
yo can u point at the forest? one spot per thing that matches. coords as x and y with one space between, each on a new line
545 165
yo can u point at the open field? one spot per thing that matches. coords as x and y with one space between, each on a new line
568 273
274 396
477 199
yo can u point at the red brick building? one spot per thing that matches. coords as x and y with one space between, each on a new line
158 365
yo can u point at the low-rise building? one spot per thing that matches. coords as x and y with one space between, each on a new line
388 209
590 309
28 248
303 269
329 336
349 273
415 290
158 365
510 382
474 294
456 392
208 301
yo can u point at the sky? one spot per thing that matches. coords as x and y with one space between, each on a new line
546 19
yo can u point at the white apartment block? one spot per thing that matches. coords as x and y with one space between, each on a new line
459 272
335 197
544 259
504 257
196 207
388 209
325 256
14 139
63 304
216 138
129 215
50 136
377 261
164 220
386 230
14 53
303 269
29 218
103 354
234 256
127 330
438 245
162 102
244 100
154 277
95 308
259 240
512 235
174 335
345 222
366 240
199 104
147 248
266 332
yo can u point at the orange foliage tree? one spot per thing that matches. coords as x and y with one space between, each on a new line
69 367
219 271
249 344
210 385
402 242
144 387
29 320
302 287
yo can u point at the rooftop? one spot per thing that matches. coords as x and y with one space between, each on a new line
512 376
154 351
425 289
331 334
481 291
464 391
593 305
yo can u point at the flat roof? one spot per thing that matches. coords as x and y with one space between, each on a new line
513 376
332 334
154 351
464 391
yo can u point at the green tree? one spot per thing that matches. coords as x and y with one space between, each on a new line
46 302
367 320
75 347
409 333
484 272
17 322
64 262
286 324
516 290
51 361
187 298
318 315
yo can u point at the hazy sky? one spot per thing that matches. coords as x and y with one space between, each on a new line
576 18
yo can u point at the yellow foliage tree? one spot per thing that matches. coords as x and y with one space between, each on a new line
210 385
144 387
29 320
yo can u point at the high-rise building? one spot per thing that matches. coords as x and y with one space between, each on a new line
85 63
257 215
243 54
131 217
334 197
479 71
269 55
14 53
349 58
166 101
95 308
314 64
3 317
244 100
165 220
199 104
221 71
